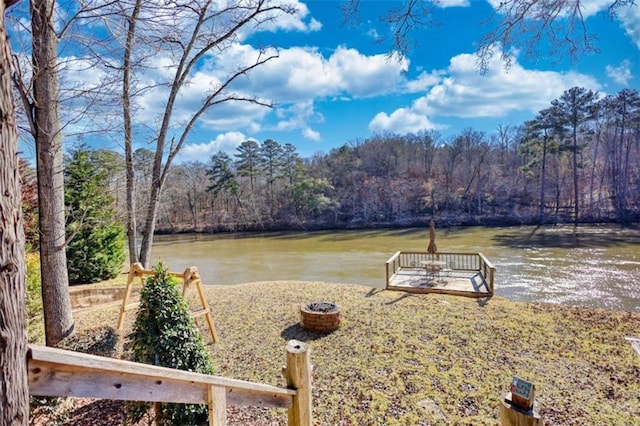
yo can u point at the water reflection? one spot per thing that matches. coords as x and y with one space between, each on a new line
587 266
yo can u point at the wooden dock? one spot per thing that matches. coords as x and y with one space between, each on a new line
464 274
460 283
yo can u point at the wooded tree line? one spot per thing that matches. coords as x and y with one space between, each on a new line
577 160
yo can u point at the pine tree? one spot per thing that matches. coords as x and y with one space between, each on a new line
96 250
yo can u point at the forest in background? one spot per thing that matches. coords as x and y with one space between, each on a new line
576 161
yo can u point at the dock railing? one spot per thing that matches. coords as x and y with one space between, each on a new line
453 261
58 372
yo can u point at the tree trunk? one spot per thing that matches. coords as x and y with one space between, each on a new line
543 180
576 194
150 225
132 232
53 258
14 398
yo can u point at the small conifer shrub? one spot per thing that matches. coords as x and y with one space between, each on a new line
165 334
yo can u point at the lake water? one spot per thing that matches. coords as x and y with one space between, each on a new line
588 266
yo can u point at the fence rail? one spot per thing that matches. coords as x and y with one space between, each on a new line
58 372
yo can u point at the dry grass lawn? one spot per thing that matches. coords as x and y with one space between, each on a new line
401 359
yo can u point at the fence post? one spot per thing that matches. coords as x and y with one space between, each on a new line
298 376
217 402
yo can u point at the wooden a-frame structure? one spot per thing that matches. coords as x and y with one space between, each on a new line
190 276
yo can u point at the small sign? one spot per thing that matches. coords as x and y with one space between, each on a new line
521 387
522 393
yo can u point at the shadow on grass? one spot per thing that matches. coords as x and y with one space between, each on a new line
296 332
101 340
374 291
404 296
483 301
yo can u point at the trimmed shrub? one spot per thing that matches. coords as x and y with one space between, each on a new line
165 334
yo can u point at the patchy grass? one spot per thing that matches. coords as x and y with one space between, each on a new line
401 359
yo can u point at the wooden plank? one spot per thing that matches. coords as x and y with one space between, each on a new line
200 312
57 372
435 290
217 406
131 306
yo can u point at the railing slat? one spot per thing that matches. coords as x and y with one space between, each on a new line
58 372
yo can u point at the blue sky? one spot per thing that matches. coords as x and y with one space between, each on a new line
334 84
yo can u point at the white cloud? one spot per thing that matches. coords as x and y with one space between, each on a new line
293 81
302 73
620 74
424 81
452 3
630 18
310 134
291 21
463 93
226 142
373 33
401 121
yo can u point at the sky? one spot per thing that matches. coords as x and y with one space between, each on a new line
334 83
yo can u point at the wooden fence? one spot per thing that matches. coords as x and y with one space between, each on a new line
58 372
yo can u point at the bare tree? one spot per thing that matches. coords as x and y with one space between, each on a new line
194 31
526 25
14 398
38 84
42 108
132 230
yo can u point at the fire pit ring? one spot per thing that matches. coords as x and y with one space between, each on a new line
322 317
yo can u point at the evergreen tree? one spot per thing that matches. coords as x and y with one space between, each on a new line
165 334
96 248
248 159
576 107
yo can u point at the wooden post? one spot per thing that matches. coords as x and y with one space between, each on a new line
157 410
298 376
134 271
512 415
217 400
191 276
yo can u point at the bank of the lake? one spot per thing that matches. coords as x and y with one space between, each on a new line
401 359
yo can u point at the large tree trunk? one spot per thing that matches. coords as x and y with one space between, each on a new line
150 225
132 232
14 398
53 259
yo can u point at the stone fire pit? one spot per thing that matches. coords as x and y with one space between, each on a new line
322 317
